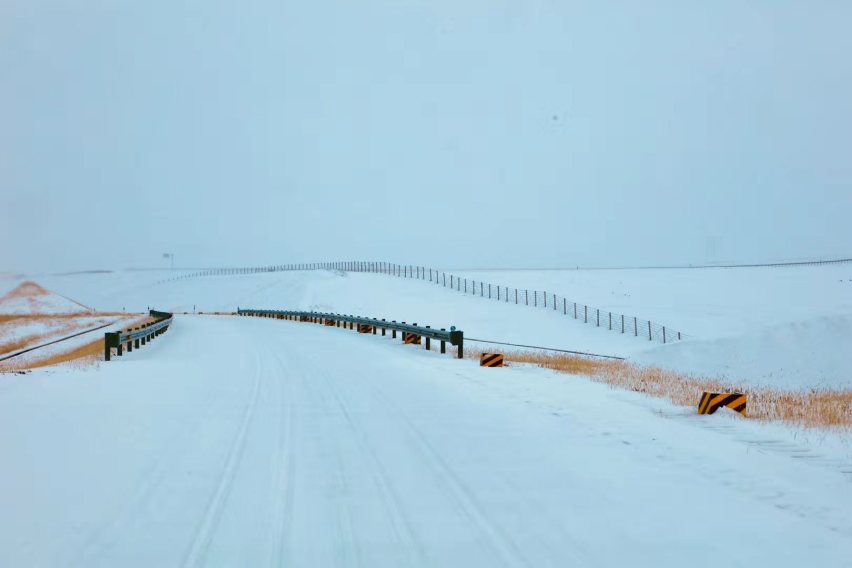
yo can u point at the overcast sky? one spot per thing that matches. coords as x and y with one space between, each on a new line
458 134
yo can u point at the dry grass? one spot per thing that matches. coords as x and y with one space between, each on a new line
17 344
812 409
62 325
81 356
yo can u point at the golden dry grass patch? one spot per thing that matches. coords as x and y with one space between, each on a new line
812 408
59 325
80 356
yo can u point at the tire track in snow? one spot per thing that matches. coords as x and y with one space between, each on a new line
400 522
103 539
284 486
500 539
210 520
345 545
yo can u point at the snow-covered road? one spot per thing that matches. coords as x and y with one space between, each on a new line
250 442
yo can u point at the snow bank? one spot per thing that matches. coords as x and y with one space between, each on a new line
809 354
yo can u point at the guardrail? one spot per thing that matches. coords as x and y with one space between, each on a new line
138 336
411 333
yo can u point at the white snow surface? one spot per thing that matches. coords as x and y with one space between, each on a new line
244 441
809 354
783 327
34 300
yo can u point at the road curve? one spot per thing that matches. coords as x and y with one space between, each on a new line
248 442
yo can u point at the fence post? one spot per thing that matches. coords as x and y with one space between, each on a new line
635 327
516 296
393 331
664 334
443 343
622 323
527 294
598 317
564 307
585 313
428 342
649 330
545 298
489 291
610 321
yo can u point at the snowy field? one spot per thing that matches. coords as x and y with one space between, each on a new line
786 328
240 441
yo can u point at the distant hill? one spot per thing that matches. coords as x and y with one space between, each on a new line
29 298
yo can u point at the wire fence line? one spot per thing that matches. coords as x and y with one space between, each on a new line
538 299
585 353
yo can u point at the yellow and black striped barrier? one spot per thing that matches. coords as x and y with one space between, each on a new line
364 328
410 338
491 360
711 401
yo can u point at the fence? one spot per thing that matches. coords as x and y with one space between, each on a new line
540 299
370 325
138 336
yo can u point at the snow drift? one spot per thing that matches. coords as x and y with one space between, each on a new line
28 298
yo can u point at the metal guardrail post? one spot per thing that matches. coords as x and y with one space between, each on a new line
110 341
457 339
